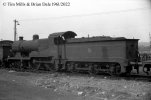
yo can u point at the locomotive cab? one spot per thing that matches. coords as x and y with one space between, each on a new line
59 44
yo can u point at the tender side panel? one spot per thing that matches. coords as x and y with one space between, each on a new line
105 51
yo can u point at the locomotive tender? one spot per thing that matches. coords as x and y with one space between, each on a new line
62 51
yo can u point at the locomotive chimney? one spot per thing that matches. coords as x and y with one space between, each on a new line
35 37
21 38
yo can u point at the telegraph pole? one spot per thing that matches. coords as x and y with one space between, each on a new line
15 29
149 42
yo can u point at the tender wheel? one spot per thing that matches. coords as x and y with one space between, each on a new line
72 68
111 70
69 67
95 69
91 69
118 69
75 67
146 69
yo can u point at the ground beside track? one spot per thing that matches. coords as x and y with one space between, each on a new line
102 88
62 86
21 86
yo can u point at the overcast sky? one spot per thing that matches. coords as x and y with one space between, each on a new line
118 18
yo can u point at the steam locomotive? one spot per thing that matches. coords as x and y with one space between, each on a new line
62 51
